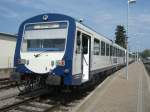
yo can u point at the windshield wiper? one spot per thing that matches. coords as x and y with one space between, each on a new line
37 55
54 49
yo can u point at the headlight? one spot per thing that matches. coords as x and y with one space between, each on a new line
60 63
22 61
66 71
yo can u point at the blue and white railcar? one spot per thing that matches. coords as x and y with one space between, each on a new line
63 50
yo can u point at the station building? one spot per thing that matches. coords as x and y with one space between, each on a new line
7 50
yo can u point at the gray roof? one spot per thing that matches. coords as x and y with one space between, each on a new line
7 34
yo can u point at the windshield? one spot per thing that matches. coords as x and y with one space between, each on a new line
45 37
46 44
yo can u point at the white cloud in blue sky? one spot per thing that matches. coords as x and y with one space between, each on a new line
102 15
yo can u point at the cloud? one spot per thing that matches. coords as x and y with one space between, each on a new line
140 23
8 13
145 18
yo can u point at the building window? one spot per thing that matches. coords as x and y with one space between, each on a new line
96 47
107 49
102 48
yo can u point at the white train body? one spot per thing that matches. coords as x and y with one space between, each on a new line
94 61
64 50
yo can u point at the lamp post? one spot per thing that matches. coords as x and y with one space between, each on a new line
127 55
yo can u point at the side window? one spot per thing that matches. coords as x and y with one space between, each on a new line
107 49
117 52
85 43
121 53
102 48
96 47
111 49
114 51
78 42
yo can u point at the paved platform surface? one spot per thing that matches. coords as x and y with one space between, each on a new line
117 94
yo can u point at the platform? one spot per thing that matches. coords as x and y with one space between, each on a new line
116 94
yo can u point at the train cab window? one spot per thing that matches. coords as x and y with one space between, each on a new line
107 49
46 44
102 48
96 47
78 42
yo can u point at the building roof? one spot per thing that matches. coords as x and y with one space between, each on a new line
8 34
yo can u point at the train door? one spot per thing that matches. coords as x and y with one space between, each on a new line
86 51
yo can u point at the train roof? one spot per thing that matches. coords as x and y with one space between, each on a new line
8 34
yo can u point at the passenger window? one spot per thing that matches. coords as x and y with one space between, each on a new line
107 49
111 48
114 51
118 52
96 47
121 53
78 42
102 48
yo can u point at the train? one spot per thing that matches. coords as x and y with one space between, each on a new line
58 50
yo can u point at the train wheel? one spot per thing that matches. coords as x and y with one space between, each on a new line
24 86
36 83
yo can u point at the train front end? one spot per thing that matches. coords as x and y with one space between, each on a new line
44 50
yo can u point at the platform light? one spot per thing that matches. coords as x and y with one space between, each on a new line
127 55
81 20
131 1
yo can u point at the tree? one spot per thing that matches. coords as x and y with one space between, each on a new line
145 53
120 38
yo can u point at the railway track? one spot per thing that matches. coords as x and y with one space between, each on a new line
21 101
33 103
6 83
50 102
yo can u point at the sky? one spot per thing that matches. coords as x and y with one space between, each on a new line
101 15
